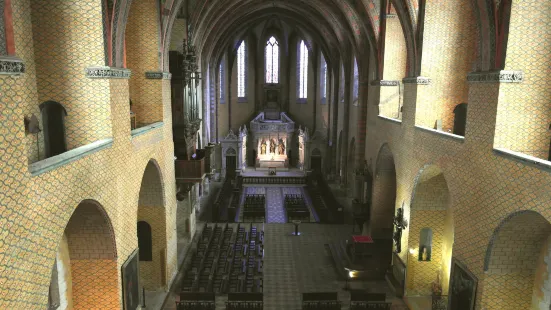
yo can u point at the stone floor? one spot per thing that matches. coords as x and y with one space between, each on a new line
296 265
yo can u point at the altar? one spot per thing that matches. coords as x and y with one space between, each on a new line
272 140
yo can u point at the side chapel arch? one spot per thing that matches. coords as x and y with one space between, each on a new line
151 210
431 232
516 268
77 268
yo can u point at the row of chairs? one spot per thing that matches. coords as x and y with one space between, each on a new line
296 208
254 208
274 180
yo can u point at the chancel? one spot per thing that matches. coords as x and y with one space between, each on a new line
242 154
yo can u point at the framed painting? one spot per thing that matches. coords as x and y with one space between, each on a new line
463 284
130 282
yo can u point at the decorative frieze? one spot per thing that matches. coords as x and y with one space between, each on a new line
391 15
158 75
496 77
419 80
107 73
385 83
11 66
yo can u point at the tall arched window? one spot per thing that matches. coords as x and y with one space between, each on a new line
145 241
323 80
241 72
303 71
356 82
272 61
221 82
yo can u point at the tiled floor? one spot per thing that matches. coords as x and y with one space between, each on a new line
296 265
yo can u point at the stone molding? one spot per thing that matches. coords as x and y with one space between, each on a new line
391 15
385 83
107 73
158 75
11 66
419 80
496 77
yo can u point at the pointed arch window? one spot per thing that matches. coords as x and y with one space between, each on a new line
272 61
356 83
221 82
241 71
323 80
302 71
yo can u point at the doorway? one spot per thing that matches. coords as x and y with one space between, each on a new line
53 118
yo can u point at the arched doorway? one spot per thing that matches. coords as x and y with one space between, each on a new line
231 162
85 277
460 119
516 266
53 123
431 233
151 229
315 161
384 195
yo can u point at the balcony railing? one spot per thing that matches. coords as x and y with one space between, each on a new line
190 169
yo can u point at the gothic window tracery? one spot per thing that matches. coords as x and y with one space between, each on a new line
272 60
241 71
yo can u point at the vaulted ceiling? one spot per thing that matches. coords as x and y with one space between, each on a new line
336 25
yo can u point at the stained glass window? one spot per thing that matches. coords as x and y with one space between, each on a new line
272 61
323 80
241 77
356 81
221 82
303 71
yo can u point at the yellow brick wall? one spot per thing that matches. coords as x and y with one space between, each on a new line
394 68
61 57
524 116
448 55
36 209
151 272
142 55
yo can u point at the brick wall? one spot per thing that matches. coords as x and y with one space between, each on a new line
151 272
61 57
384 194
394 69
523 115
448 55
93 258
31 234
142 55
516 253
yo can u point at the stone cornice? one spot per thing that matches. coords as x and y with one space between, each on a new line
107 73
11 66
158 75
391 15
419 80
385 83
496 77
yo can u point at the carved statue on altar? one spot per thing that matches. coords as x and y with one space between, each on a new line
281 147
272 146
263 147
